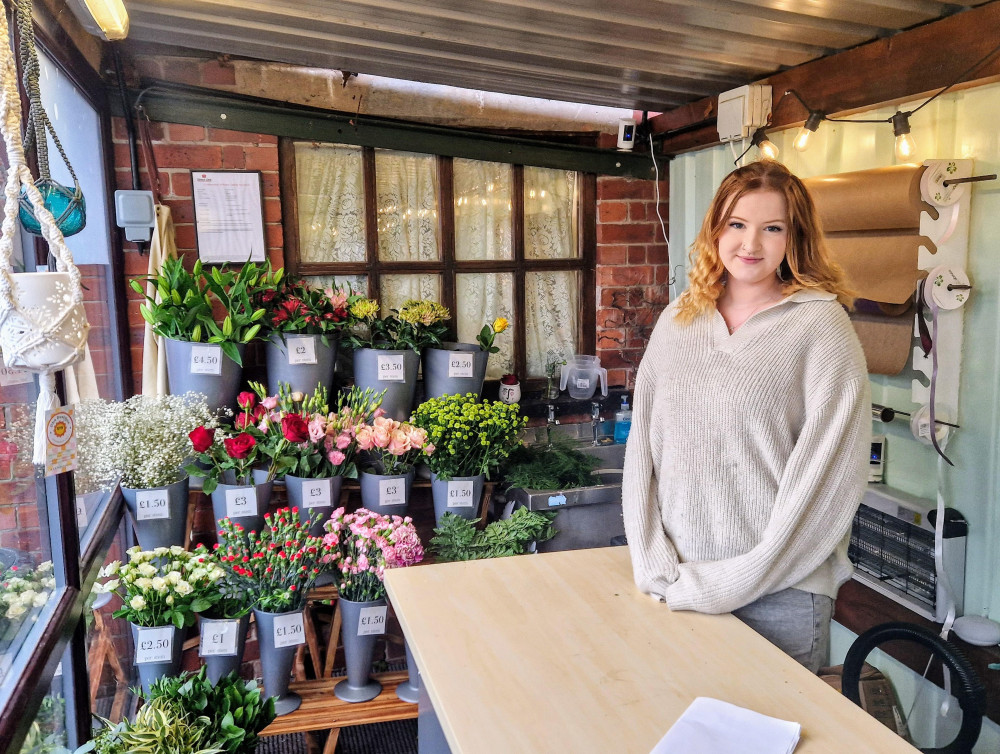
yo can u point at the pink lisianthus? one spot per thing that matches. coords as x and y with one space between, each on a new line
363 434
336 457
270 403
317 428
343 440
399 443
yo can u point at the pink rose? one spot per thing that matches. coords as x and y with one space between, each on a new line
399 443
380 437
418 437
336 457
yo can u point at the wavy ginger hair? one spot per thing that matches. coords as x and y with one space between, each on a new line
807 263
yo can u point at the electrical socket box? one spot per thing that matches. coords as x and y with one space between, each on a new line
743 110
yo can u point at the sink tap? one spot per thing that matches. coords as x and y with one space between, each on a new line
595 418
550 422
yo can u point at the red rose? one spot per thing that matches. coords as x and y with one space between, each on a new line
201 438
239 447
294 428
243 421
509 379
246 400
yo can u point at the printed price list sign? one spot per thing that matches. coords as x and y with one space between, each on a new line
371 621
317 493
460 494
241 502
206 359
218 638
392 492
154 645
300 350
460 365
151 505
288 630
390 368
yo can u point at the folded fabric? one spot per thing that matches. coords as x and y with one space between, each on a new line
709 726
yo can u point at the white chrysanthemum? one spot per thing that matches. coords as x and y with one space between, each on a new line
137 602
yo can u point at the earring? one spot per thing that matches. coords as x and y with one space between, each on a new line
777 271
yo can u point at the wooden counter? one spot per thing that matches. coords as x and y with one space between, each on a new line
560 652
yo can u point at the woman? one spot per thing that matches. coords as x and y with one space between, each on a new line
751 425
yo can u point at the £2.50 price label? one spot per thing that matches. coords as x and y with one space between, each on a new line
301 350
288 630
151 504
218 637
206 359
460 365
371 621
241 502
390 368
460 494
392 491
154 645
317 493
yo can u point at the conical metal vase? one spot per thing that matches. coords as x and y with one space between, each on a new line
395 372
149 672
386 494
200 368
159 514
220 665
314 497
301 361
410 691
460 495
276 664
359 646
454 369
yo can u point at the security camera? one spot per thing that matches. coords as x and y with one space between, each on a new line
626 134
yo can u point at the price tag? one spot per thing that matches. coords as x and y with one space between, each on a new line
288 630
218 637
206 359
460 365
583 383
13 375
391 492
241 502
60 441
151 504
390 369
460 494
81 515
154 645
371 621
317 493
301 350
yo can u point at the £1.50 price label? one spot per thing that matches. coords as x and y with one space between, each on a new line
151 504
460 365
206 359
317 493
288 630
218 637
241 502
392 491
390 368
154 645
301 350
371 621
460 494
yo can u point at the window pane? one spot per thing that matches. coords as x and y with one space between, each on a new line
357 283
110 652
482 210
482 298
47 734
552 304
550 214
331 203
399 288
406 185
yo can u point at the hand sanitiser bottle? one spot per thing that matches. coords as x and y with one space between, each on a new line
623 421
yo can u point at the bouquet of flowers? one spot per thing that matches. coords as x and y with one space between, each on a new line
469 438
23 589
362 545
160 587
395 446
416 325
294 306
489 333
277 566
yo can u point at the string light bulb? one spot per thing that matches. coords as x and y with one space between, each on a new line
767 148
905 146
810 127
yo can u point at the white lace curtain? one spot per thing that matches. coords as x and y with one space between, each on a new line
330 188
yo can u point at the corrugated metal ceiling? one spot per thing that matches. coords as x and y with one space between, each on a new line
640 54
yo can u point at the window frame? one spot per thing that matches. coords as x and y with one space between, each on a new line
448 266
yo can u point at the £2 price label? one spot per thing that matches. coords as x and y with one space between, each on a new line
206 359
241 502
390 368
151 504
218 638
301 350
460 494
288 630
460 365
371 621
317 493
154 645
392 492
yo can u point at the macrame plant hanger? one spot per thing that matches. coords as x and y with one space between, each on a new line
43 324
68 207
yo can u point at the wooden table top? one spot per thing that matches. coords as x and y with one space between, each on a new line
560 652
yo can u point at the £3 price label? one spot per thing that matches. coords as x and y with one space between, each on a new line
218 638
301 350
390 369
206 359
241 502
151 504
460 365
371 621
392 492
288 630
154 645
460 494
317 493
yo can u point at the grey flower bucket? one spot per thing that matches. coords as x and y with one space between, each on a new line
224 635
247 511
302 361
460 495
410 690
454 369
159 514
314 495
392 371
386 494
203 368
149 672
360 631
276 661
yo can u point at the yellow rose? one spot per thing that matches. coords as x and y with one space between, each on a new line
500 324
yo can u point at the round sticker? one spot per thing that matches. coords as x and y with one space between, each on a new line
59 429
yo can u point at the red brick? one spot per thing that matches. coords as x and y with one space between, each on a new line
261 158
662 273
181 210
27 517
123 178
180 183
657 253
227 136
214 72
183 132
118 130
272 210
275 236
608 254
195 156
157 131
272 184
625 233
233 157
638 275
618 377
610 338
609 317
148 68
624 188
637 255
123 157
637 211
612 212
182 71
185 237
8 519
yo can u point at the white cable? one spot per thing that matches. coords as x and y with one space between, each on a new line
672 279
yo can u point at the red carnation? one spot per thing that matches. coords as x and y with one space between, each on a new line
294 428
239 447
201 438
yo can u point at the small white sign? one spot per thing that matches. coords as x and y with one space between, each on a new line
460 365
317 493
391 492
371 621
301 350
460 494
206 359
219 638
154 645
81 515
390 369
288 630
12 375
241 502
151 504
583 383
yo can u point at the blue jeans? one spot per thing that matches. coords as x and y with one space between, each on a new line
796 622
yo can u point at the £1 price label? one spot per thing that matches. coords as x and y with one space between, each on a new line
154 645
206 359
218 637
392 491
460 494
151 504
317 493
241 502
301 350
390 369
460 365
288 630
371 621
582 383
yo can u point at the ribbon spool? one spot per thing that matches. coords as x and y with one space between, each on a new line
949 288
934 192
920 426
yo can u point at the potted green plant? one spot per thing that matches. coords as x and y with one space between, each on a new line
159 726
459 368
203 354
393 448
470 441
457 538
387 350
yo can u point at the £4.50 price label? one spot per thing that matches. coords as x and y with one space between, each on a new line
301 350
154 645
460 494
460 365
288 630
317 493
390 368
206 359
241 502
218 637
371 621
151 504
392 491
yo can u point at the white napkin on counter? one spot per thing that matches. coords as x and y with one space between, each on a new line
709 726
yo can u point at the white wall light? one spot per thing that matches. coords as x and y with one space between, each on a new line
106 19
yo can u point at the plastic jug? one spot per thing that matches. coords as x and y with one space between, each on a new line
581 374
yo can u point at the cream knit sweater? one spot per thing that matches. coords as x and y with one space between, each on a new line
748 455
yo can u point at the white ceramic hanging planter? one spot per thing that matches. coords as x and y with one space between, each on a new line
50 330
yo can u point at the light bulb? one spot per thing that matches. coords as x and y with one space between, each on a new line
768 150
808 129
905 147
